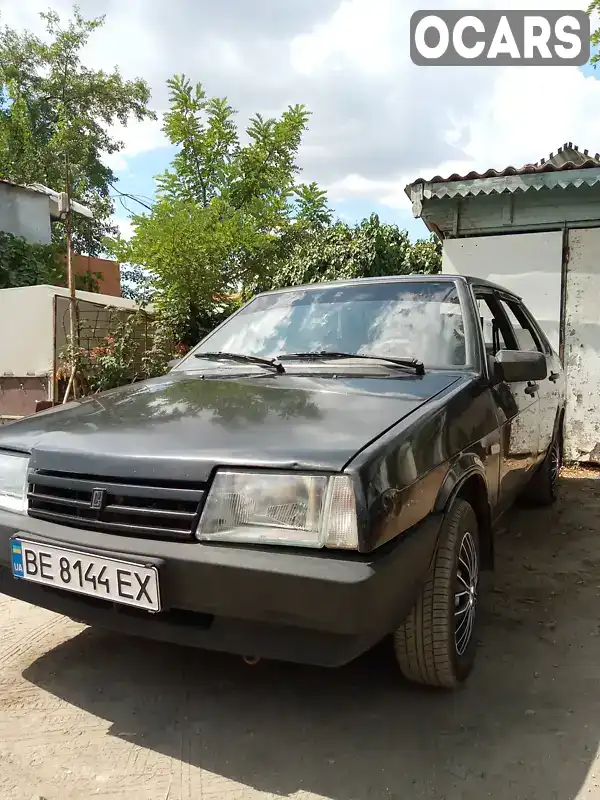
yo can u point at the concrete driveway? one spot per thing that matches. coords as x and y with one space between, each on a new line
85 713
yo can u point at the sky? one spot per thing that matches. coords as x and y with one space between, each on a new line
377 121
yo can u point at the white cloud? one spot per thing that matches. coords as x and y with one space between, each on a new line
525 117
125 227
498 116
378 121
356 37
137 137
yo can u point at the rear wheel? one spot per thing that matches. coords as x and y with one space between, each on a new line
541 490
436 644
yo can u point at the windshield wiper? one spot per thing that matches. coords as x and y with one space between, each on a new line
269 363
406 363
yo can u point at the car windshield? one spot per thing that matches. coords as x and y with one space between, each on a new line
402 319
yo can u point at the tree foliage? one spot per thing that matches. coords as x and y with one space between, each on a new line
23 263
53 108
225 210
233 218
136 346
366 250
594 6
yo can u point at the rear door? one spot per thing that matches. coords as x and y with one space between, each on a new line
517 403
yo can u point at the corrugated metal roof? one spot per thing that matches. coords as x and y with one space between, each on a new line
528 169
20 186
567 167
566 158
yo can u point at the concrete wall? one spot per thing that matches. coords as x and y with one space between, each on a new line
528 264
582 346
34 324
27 325
25 213
26 337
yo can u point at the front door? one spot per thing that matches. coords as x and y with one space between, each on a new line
529 338
517 405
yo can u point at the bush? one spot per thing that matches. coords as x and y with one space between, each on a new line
137 347
25 264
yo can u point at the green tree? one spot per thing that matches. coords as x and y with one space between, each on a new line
425 256
312 208
56 111
225 211
23 263
365 250
595 38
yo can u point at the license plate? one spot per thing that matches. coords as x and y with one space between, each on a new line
108 578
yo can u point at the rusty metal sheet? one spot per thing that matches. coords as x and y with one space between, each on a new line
19 395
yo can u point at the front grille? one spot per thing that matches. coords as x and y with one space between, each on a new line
137 509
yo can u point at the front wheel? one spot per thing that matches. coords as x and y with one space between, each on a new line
436 644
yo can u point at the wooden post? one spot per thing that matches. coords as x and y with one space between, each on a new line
72 296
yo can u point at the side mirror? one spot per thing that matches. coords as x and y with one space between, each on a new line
515 366
173 363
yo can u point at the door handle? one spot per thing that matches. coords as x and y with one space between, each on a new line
554 376
531 388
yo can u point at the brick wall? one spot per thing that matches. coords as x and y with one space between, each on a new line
110 282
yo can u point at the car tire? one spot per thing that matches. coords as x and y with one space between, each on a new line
436 644
541 490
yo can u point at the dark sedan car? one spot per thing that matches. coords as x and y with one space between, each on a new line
323 471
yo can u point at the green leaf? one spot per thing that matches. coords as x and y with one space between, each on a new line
25 264
54 109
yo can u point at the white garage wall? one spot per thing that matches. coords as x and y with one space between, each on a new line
528 264
26 336
582 346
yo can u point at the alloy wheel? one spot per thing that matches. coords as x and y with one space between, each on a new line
554 466
465 596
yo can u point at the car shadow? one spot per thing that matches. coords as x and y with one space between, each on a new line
527 724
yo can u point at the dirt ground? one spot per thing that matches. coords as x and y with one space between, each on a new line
84 713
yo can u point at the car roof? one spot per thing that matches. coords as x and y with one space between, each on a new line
444 278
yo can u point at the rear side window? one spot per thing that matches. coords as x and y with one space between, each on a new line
527 338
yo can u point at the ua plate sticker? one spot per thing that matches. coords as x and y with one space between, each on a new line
16 552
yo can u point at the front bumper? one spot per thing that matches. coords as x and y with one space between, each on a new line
321 608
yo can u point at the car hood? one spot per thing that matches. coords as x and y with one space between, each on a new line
179 427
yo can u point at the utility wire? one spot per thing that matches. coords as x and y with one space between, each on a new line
125 206
121 194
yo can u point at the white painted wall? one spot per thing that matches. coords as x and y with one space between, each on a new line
528 264
26 325
582 346
25 213
26 339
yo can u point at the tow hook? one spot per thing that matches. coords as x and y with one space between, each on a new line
252 661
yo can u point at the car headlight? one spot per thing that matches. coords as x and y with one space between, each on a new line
281 508
13 482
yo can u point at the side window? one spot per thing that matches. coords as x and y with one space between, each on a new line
493 324
524 333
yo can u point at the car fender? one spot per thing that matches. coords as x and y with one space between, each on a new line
464 467
459 471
